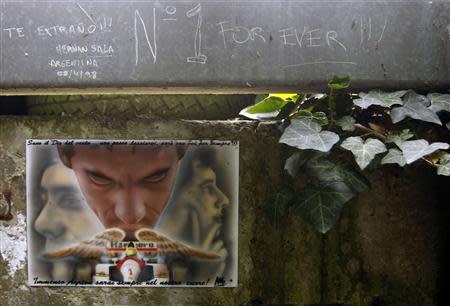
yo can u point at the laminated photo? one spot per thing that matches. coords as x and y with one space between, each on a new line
129 213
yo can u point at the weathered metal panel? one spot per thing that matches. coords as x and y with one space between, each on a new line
247 45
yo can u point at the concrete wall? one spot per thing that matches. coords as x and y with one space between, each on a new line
386 250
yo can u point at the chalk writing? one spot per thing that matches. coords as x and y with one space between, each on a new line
67 40
86 13
240 34
361 23
74 29
70 49
320 62
103 50
85 66
77 74
15 32
310 38
73 63
367 31
198 57
170 11
331 36
152 47
382 31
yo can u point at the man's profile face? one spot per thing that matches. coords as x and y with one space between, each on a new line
205 197
127 187
65 218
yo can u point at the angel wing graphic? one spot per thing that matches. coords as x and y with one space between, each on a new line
101 243
93 248
166 246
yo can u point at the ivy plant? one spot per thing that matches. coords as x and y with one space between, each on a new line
373 129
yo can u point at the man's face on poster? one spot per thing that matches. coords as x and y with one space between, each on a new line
65 217
126 186
205 197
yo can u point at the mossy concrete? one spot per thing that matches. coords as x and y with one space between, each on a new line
384 249
382 252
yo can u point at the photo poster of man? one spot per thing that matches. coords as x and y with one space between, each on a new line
132 212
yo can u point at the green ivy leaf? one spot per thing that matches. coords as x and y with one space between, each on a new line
398 139
278 204
347 123
319 117
338 82
291 97
296 161
364 151
321 206
378 97
394 156
443 167
439 102
307 134
414 106
415 149
266 109
355 180
326 170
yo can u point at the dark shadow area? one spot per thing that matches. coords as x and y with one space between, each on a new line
443 249
377 301
13 105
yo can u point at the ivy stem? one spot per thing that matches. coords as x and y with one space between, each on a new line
366 134
331 106
429 162
369 131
